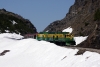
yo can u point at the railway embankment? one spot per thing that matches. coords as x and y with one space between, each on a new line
82 50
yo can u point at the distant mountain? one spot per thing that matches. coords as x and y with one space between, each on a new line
14 23
84 18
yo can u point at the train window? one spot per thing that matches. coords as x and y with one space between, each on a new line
65 36
57 37
53 37
68 35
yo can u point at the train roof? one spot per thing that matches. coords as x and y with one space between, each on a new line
53 32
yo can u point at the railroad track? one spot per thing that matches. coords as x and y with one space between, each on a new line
83 49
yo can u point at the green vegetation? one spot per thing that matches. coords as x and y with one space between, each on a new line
6 23
97 15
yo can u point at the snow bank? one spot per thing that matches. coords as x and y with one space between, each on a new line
80 39
33 53
69 29
11 35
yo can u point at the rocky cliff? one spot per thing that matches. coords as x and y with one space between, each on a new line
80 17
83 19
14 23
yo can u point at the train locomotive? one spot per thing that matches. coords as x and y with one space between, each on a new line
59 38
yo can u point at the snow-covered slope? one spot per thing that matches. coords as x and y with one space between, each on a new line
33 53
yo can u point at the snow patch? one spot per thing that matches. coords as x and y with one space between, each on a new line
69 29
11 35
14 22
6 31
47 30
80 39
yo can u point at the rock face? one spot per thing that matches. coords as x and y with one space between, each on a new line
14 23
81 17
93 41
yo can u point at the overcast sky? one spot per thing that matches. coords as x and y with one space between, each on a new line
40 12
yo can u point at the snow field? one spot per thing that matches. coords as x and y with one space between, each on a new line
32 53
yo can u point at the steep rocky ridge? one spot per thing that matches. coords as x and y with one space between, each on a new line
14 23
81 17
93 40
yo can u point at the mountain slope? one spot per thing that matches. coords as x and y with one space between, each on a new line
14 23
80 17
84 18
